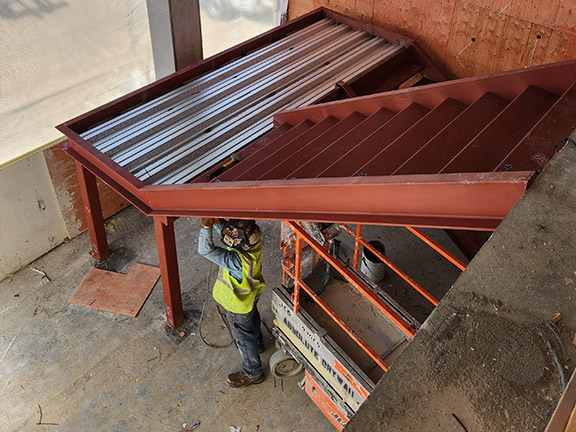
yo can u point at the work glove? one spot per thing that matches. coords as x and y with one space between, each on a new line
208 222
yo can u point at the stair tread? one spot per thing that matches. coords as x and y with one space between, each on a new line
491 145
435 154
538 147
349 163
246 152
396 153
273 146
342 145
295 157
282 153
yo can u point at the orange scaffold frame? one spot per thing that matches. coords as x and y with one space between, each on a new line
357 282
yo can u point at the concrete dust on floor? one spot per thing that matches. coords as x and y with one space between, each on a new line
91 370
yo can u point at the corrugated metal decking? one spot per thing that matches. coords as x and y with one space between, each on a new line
172 138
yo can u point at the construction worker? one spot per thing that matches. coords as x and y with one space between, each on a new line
237 289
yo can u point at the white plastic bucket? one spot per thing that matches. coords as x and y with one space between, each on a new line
371 266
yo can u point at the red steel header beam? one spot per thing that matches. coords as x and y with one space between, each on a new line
475 201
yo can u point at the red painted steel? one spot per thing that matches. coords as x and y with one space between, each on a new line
453 201
365 347
477 201
537 147
552 78
93 211
110 179
437 247
245 167
330 153
397 152
168 257
245 153
355 280
469 242
437 152
372 82
502 134
287 168
357 156
279 156
76 145
357 246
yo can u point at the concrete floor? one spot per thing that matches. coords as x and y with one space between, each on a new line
90 370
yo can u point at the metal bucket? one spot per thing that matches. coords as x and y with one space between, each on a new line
371 265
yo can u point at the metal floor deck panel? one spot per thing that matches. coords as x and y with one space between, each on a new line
170 139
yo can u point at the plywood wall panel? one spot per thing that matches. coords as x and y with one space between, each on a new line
506 30
364 11
541 12
566 19
536 48
562 46
299 8
501 42
63 175
427 21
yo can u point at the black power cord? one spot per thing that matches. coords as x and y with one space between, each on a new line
222 316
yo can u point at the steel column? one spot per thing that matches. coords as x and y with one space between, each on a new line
93 211
168 257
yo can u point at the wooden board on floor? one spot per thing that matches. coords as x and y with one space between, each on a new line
115 292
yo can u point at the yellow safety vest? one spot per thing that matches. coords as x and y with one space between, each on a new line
239 297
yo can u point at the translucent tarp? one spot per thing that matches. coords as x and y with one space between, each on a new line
226 23
61 58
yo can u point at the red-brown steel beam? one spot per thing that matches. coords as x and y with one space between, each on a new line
475 201
552 78
111 178
168 257
93 210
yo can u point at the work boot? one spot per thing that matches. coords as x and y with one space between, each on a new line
239 379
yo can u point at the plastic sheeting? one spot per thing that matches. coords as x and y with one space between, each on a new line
61 58
226 23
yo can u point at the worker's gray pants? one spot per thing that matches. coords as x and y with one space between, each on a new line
247 334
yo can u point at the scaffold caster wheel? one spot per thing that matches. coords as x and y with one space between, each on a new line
283 365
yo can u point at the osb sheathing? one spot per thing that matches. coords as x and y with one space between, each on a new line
471 37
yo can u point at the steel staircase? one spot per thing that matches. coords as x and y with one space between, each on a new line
436 129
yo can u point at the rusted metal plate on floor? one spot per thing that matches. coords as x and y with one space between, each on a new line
115 292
